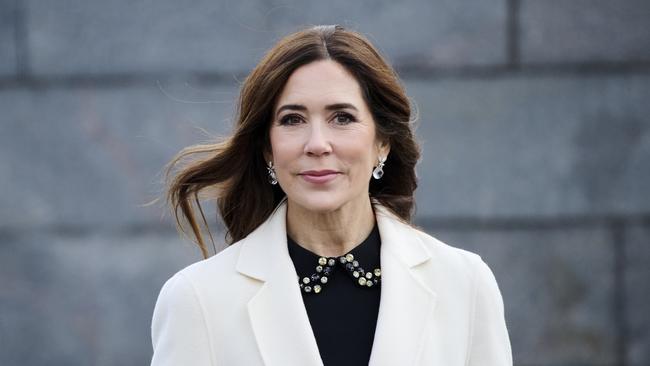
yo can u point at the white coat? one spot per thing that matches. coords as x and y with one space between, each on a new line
439 305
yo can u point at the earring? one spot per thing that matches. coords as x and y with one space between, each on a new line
378 172
273 179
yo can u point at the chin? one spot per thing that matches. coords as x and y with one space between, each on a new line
320 203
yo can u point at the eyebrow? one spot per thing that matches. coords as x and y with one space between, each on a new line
330 107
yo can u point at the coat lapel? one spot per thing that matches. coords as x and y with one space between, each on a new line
407 302
277 313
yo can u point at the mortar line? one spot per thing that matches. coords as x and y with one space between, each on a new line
619 244
512 33
20 40
411 73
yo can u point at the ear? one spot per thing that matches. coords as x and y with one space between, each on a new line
267 155
383 148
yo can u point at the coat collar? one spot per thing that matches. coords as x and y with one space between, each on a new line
279 318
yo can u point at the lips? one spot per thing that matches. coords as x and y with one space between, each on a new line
318 173
319 176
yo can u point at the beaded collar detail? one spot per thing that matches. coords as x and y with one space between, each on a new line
325 268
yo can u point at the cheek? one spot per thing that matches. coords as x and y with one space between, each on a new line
275 139
356 145
284 149
360 160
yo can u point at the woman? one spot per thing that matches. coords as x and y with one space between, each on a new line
315 188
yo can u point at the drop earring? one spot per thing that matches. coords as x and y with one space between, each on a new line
273 179
378 172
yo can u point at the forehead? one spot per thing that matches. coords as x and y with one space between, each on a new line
320 83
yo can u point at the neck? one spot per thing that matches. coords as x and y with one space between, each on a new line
331 233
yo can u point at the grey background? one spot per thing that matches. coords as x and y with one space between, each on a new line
533 118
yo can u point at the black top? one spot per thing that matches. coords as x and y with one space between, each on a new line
343 315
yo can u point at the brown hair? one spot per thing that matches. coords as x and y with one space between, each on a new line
234 170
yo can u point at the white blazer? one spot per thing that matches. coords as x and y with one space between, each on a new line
439 305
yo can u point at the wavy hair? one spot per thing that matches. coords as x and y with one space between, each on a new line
233 171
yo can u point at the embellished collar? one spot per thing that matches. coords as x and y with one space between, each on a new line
361 264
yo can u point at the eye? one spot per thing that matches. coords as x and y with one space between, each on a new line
291 119
344 118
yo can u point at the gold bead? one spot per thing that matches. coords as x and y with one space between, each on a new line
349 257
322 261
377 272
362 281
316 288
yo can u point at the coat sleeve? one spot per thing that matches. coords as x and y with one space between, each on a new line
489 341
179 332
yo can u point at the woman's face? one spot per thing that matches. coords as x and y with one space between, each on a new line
323 138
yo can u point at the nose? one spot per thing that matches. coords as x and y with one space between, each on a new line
317 140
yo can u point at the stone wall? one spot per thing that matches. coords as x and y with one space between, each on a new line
533 118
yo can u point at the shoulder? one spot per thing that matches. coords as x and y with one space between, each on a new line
214 272
466 287
442 251
448 253
414 244
217 265
222 265
238 268
463 265
449 261
459 275
181 325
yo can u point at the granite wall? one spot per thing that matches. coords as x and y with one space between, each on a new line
533 118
